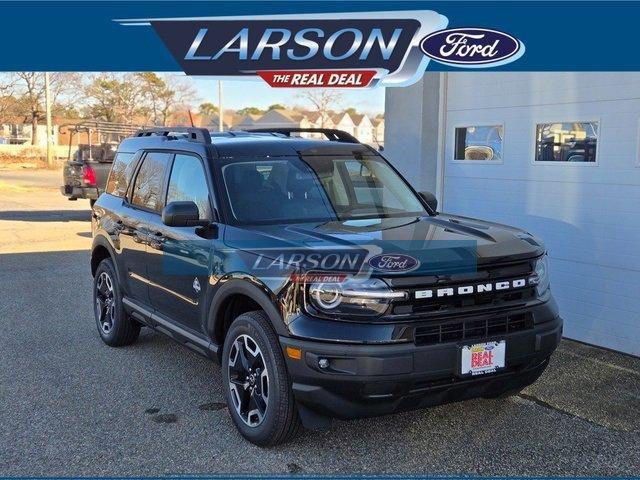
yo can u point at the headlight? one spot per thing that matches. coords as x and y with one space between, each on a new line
540 276
351 296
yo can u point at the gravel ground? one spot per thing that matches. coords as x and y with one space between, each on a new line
71 406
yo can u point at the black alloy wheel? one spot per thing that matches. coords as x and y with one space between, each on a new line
248 380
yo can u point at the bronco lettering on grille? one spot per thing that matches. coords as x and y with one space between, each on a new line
470 289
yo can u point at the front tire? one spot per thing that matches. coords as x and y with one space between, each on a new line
115 327
256 383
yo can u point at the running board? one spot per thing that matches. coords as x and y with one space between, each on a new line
171 329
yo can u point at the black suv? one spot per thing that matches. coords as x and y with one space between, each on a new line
316 276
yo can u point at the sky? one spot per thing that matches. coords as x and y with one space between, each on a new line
237 94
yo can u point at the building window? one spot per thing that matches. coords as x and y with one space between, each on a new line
479 143
573 142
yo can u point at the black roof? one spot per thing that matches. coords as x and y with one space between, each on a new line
234 144
275 146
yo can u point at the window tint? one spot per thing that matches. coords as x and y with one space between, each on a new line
188 183
367 189
483 143
274 190
121 173
317 188
146 190
566 142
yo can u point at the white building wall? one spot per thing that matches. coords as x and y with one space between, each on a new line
588 215
412 131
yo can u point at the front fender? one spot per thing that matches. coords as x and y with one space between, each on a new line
250 287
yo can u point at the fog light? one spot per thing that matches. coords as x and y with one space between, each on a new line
323 363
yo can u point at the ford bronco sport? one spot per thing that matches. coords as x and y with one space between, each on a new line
318 278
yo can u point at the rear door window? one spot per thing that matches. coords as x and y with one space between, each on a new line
149 181
121 173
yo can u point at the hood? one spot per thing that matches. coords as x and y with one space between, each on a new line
433 240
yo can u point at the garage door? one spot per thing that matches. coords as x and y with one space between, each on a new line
557 154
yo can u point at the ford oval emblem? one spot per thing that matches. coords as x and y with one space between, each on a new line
472 47
393 263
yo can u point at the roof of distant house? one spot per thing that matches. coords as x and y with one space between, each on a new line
293 115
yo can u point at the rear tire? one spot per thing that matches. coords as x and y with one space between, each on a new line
256 383
115 326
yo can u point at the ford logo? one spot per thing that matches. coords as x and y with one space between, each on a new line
472 47
393 263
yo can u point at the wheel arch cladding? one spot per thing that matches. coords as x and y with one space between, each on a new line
98 254
234 298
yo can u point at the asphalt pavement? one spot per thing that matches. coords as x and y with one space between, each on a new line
72 406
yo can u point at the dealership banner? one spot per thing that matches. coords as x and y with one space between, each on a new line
320 44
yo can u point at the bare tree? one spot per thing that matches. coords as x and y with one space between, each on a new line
30 92
324 100
7 99
182 97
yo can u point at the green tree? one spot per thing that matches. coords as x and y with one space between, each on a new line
276 106
115 99
153 90
163 95
208 109
251 111
121 98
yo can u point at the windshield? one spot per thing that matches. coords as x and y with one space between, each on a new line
317 188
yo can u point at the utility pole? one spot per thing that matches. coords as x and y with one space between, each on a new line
220 113
47 97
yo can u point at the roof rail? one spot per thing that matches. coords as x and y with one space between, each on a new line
331 133
201 135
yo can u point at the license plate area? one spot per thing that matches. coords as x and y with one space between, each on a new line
482 358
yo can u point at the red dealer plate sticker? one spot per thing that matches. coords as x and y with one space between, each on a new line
481 358
318 78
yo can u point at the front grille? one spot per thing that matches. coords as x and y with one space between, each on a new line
469 329
460 304
478 300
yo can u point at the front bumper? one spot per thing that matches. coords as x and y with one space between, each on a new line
369 380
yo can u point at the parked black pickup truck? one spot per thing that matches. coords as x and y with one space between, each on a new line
85 175
322 282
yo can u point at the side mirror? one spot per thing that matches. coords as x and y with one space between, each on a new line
182 214
430 200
